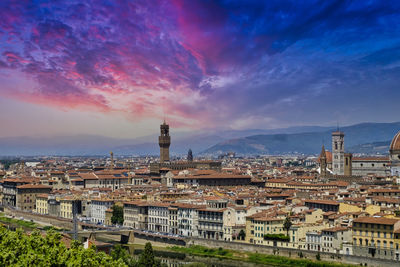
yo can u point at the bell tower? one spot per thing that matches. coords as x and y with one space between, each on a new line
164 140
338 153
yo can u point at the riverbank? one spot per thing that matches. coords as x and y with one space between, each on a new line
15 223
256 258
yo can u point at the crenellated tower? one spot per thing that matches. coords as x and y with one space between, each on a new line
164 140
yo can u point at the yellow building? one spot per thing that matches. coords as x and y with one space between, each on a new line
375 236
66 208
349 208
314 216
260 224
346 208
42 206
108 215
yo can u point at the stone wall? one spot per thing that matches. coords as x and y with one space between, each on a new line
45 219
293 253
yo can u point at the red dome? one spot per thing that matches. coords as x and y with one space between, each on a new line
395 145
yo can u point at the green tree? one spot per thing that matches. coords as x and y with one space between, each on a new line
119 253
287 224
20 249
117 215
147 258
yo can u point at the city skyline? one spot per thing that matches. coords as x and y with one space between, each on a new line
119 69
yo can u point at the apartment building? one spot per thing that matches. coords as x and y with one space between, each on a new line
42 205
211 223
98 209
136 215
158 217
375 237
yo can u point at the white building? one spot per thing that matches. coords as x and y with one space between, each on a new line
313 241
98 209
158 217
333 239
188 219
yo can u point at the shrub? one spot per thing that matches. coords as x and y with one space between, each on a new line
277 237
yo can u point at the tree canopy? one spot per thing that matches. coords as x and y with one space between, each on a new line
287 224
117 215
20 249
35 249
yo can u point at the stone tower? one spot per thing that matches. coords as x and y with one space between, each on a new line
338 153
323 162
348 165
164 140
111 160
190 155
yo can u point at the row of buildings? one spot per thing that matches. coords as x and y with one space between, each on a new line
290 202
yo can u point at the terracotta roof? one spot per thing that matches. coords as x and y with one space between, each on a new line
215 176
335 229
376 220
322 201
33 186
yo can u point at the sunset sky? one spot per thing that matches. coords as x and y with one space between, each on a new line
117 68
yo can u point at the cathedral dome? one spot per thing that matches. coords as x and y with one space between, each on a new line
395 145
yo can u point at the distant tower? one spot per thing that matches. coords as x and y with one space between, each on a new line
338 153
112 160
323 162
164 140
348 165
190 155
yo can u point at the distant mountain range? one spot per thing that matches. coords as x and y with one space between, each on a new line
367 138
307 140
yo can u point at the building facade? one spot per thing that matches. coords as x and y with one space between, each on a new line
98 209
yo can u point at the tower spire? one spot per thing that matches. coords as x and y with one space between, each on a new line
323 162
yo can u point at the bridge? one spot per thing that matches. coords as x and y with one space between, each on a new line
127 236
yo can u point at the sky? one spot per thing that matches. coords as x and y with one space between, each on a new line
118 68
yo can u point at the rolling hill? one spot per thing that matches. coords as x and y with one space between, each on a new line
356 138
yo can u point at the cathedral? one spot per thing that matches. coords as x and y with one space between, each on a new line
338 163
394 153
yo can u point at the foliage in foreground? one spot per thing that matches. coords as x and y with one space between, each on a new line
20 249
146 258
254 257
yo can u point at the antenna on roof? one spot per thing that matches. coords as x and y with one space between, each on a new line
164 114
